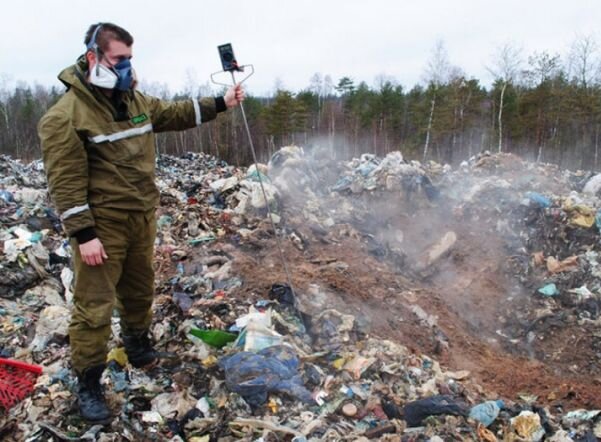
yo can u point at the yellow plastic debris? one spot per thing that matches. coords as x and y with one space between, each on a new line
582 220
118 355
339 363
580 215
273 405
209 361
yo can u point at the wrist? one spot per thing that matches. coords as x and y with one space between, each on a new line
85 235
220 105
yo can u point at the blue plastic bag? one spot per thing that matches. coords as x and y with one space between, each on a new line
487 412
539 200
272 370
6 196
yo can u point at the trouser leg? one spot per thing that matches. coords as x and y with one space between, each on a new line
94 296
135 289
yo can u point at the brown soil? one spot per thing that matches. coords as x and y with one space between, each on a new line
470 292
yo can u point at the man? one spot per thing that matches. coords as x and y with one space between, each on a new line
98 149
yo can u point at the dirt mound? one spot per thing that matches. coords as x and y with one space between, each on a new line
479 300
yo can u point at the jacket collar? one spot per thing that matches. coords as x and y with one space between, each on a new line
74 77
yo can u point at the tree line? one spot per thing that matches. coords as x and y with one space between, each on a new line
544 107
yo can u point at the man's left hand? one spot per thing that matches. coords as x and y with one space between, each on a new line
234 96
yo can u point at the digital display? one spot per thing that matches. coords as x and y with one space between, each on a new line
228 60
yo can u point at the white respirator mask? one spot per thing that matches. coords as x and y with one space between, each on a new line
102 76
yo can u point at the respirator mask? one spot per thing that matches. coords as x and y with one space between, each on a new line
119 76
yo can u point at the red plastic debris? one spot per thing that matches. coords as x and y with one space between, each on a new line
17 380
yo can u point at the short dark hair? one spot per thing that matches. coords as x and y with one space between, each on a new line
106 33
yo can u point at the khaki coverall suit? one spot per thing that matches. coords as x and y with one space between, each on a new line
100 163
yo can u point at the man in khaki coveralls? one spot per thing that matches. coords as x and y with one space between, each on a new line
98 149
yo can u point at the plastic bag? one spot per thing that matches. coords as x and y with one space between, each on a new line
415 412
272 370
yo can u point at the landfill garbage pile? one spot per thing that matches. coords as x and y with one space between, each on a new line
379 250
548 222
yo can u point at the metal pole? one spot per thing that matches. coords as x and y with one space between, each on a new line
270 215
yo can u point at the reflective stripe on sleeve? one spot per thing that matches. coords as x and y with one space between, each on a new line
74 211
196 111
129 133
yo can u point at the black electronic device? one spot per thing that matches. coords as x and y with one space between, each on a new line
228 60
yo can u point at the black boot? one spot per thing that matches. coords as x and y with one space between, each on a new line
139 349
92 405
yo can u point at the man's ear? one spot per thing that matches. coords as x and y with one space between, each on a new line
91 58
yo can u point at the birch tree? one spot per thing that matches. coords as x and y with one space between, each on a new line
542 69
584 67
316 87
583 60
505 68
436 74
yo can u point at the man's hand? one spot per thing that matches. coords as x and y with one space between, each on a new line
92 252
234 96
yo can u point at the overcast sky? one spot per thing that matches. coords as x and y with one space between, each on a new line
289 41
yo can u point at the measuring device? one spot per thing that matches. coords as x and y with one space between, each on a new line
230 64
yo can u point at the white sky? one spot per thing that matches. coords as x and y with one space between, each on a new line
287 40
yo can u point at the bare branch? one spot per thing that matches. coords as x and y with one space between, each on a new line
506 63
